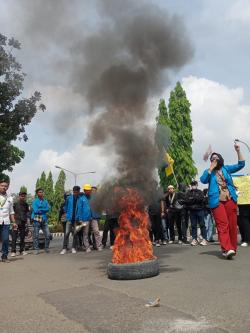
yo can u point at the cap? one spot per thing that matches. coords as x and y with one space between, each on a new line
170 186
87 187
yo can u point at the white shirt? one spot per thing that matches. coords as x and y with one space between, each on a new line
6 208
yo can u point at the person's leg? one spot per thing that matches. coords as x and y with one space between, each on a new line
106 229
14 235
184 225
178 219
45 229
66 235
200 217
113 226
193 219
222 225
85 236
231 210
21 228
171 218
36 228
164 229
5 241
96 233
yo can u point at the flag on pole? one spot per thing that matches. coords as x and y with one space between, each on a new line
169 170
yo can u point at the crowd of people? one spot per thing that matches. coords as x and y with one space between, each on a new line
182 211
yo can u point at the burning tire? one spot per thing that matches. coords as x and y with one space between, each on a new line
134 271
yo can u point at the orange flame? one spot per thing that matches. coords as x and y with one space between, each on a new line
132 242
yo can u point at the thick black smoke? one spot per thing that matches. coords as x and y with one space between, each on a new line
117 65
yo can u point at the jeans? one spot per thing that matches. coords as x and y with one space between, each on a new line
45 228
209 226
21 231
197 217
165 228
70 228
5 231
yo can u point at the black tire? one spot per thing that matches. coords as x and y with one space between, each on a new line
133 271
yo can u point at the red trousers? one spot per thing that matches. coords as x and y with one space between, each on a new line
225 216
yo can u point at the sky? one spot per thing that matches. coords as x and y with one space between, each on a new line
216 81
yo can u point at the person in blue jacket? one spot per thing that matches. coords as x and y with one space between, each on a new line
72 209
40 209
222 199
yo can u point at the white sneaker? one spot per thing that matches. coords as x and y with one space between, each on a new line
203 242
194 242
171 242
63 251
88 250
73 250
230 254
111 247
100 248
179 242
24 253
158 244
13 254
164 243
244 244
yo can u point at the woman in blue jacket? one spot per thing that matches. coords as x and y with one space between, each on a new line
222 199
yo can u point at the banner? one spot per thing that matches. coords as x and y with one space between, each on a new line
242 184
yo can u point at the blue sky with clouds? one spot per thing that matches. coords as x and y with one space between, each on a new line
216 81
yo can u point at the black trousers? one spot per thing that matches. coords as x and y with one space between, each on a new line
156 227
109 226
184 224
244 227
21 232
175 217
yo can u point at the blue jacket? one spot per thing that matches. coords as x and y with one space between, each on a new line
84 213
68 208
211 179
40 207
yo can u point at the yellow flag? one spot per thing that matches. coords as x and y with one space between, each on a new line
169 169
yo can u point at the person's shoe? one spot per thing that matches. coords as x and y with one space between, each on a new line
179 242
13 254
111 247
158 244
171 242
164 242
203 242
6 260
23 253
63 251
224 253
230 254
36 252
47 250
194 242
211 241
88 250
73 250
100 248
244 244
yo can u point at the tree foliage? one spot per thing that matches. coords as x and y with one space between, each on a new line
23 189
177 118
15 112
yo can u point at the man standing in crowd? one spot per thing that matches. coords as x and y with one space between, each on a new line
94 226
72 209
86 218
222 199
173 210
40 209
6 216
21 209
195 203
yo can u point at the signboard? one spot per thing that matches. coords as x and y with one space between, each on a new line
242 184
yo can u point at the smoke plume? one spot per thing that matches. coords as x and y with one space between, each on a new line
118 62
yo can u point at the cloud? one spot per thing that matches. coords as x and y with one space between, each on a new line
239 11
218 117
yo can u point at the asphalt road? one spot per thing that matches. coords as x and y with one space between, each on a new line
199 291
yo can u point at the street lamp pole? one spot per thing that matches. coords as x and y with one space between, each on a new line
75 174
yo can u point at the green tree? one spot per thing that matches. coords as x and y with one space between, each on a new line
15 112
178 119
49 189
23 189
37 183
58 196
42 181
